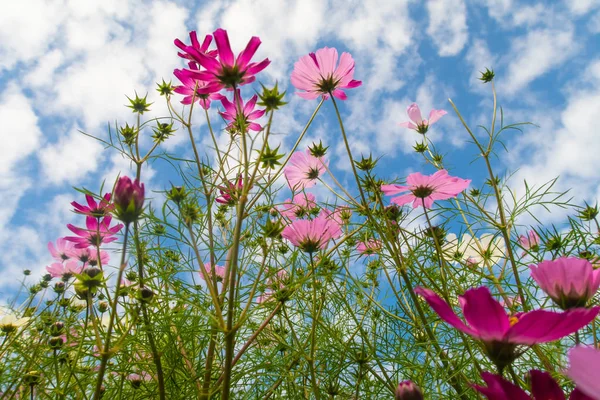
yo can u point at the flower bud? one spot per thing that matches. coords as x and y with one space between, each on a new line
57 328
103 306
128 199
407 390
55 342
146 294
59 287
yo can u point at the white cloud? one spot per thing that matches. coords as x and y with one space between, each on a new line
580 7
447 25
480 57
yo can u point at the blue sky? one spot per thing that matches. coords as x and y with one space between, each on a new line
67 65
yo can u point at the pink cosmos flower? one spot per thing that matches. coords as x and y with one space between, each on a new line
65 271
219 272
265 297
229 194
417 122
299 206
190 52
240 116
569 281
531 241
96 233
312 235
584 369
93 209
229 71
196 90
61 251
543 387
303 169
129 199
318 74
89 256
500 333
426 188
370 247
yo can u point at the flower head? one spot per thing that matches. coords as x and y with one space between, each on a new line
61 251
318 74
191 52
128 199
425 189
584 369
531 241
64 271
10 323
407 390
299 206
229 194
93 209
194 89
419 124
97 233
569 281
369 247
303 169
240 115
227 70
219 271
312 235
500 333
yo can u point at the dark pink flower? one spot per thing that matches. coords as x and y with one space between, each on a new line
299 206
318 74
240 115
584 369
62 250
65 271
407 390
417 122
426 188
128 199
191 52
93 209
500 333
219 272
369 247
228 70
569 281
230 194
312 235
303 169
96 234
196 90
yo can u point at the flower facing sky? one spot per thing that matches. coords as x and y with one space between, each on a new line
425 189
241 116
312 235
417 122
64 270
97 233
62 250
196 90
230 193
191 52
299 206
319 74
303 169
531 241
94 209
569 281
369 247
584 369
219 272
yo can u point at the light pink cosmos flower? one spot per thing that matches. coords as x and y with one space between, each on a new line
299 206
191 52
529 242
96 233
65 271
240 115
194 89
94 209
426 188
419 124
318 74
219 272
303 169
227 70
500 333
369 247
62 250
569 281
312 235
584 369
89 256
266 297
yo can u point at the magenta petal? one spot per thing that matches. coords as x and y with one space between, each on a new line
247 54
579 395
544 387
484 314
444 310
414 113
224 48
500 389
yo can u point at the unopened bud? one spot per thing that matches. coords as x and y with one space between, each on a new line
407 390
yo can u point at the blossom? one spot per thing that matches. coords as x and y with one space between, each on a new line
93 209
543 387
65 271
312 235
407 390
318 74
89 255
230 193
569 281
97 232
62 250
219 271
488 248
240 116
303 169
417 122
529 242
426 188
10 323
369 247
191 52
500 333
584 369
194 89
228 70
129 199
299 206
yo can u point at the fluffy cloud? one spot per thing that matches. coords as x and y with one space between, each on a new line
447 25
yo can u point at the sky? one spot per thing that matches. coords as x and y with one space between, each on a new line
66 66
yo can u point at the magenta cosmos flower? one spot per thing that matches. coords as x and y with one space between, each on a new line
196 90
96 233
230 193
318 74
419 124
62 250
543 387
303 169
584 369
228 70
240 115
94 209
500 333
569 281
299 206
425 189
219 272
312 235
65 271
191 52
129 199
